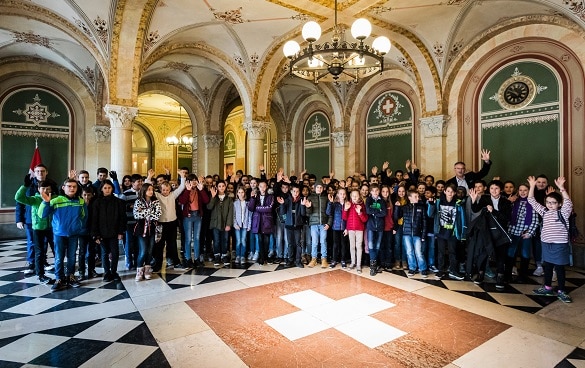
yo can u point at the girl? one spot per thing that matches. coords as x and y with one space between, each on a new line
108 225
146 211
399 251
222 219
523 225
355 217
554 236
335 211
386 248
242 221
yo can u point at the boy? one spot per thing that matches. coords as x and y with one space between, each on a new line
376 211
69 222
414 230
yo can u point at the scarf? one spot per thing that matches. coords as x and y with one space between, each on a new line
516 210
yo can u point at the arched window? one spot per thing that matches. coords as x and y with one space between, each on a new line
141 150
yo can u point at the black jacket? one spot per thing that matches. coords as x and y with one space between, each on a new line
108 217
414 216
471 177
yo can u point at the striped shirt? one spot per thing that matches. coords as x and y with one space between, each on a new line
553 230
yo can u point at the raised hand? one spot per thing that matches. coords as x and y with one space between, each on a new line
150 173
385 165
407 164
46 196
213 191
72 174
531 181
181 173
347 206
200 186
330 197
331 175
280 200
188 185
374 170
473 194
308 203
560 182
485 155
358 209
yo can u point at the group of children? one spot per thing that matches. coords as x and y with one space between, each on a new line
421 227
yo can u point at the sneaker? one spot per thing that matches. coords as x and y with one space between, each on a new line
489 273
179 266
424 274
439 275
411 273
45 280
456 276
255 257
49 267
564 297
30 268
216 261
397 266
538 272
332 264
73 282
190 264
359 270
479 278
514 271
543 291
343 265
93 274
238 259
116 277
433 269
58 285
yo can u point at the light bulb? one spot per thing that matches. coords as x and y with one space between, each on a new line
311 31
291 48
382 45
361 29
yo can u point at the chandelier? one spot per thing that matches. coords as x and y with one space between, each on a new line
184 141
337 60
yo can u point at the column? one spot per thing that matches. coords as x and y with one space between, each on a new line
433 145
101 148
121 119
285 154
256 135
211 156
341 154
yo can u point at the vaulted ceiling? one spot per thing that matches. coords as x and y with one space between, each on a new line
78 35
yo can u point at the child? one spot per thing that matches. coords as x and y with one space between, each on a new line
242 221
262 221
146 211
335 211
376 210
222 219
386 249
293 209
108 226
42 231
554 236
355 218
193 200
399 253
414 231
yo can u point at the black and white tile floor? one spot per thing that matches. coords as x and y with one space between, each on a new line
102 323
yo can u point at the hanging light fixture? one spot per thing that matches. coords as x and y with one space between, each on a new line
184 141
337 60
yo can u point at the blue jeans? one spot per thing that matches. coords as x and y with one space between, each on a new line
86 253
145 245
414 253
110 245
65 246
318 235
374 242
241 241
399 252
254 243
523 244
430 249
220 241
130 247
192 227
281 240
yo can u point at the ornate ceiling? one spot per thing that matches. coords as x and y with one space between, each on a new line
195 43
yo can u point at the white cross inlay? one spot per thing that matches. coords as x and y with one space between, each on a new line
388 106
350 316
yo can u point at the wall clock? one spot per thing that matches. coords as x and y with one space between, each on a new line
516 92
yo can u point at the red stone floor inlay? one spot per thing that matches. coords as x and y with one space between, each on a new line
436 335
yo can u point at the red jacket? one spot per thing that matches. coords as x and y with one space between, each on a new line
353 220
202 198
389 220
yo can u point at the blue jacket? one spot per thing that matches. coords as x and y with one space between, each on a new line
415 223
69 215
335 212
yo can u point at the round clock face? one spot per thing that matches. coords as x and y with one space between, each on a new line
516 92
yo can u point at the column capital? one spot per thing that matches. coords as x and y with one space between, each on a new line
435 126
286 146
102 133
212 140
341 138
256 129
120 116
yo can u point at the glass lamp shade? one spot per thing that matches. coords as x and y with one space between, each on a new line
382 45
361 29
311 31
172 140
291 48
314 63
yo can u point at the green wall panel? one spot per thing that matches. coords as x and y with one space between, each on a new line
395 149
317 161
522 150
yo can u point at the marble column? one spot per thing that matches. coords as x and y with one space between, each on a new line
285 155
433 145
341 154
101 146
121 126
211 155
256 135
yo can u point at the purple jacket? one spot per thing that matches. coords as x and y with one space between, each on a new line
262 221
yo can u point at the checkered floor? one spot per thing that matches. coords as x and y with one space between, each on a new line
90 338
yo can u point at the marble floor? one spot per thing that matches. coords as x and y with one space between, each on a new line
268 316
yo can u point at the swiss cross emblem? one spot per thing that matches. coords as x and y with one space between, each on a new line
388 106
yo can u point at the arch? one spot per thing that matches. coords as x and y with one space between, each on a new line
142 148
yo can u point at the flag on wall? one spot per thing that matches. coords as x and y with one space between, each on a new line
36 159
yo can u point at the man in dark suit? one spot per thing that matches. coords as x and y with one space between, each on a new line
466 179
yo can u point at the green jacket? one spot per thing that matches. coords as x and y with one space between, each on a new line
38 223
222 212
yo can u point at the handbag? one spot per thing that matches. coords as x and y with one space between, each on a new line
158 233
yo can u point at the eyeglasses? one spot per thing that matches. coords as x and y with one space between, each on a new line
551 202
